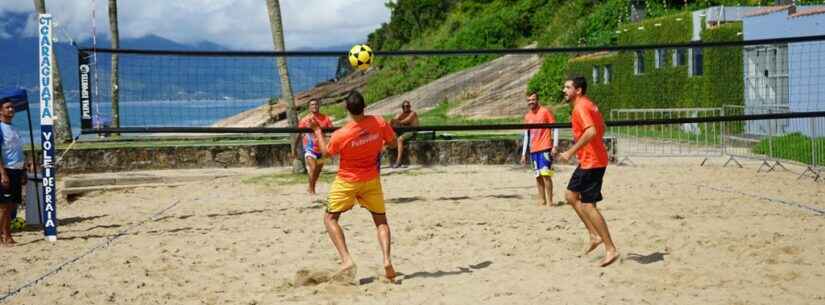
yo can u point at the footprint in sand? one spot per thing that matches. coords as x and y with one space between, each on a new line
306 277
346 276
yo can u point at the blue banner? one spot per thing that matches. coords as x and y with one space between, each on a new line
46 121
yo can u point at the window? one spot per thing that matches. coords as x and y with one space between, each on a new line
639 63
679 57
595 74
696 66
660 58
608 74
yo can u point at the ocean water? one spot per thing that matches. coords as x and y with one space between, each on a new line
198 113
178 91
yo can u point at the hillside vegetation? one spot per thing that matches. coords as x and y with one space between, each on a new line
493 24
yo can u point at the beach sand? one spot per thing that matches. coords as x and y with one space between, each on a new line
461 235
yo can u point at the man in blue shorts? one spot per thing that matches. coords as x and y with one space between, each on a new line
541 145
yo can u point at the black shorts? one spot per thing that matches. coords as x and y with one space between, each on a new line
14 193
588 183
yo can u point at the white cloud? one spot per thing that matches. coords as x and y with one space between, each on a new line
3 33
239 24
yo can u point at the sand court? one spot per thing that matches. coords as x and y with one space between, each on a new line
461 234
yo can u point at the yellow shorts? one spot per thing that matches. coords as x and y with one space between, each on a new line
342 196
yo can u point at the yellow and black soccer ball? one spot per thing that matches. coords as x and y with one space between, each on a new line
360 56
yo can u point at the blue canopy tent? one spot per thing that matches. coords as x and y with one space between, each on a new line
21 103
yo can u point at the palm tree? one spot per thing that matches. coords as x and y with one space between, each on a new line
62 127
274 9
115 79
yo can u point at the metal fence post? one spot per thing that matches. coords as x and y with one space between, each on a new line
769 155
813 166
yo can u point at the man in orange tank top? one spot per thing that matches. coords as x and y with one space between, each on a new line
541 146
312 153
585 187
359 144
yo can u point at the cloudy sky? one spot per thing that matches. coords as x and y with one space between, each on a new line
235 24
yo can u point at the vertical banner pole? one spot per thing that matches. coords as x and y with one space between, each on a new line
44 72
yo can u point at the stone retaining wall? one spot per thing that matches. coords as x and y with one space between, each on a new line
500 151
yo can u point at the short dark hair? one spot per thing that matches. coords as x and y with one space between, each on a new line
5 100
579 83
531 92
355 103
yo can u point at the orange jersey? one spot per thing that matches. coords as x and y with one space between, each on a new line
540 138
360 144
310 143
586 114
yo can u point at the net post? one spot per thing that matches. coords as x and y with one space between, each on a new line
45 26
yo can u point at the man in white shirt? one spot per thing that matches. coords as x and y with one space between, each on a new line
12 174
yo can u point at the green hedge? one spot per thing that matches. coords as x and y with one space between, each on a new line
574 23
725 80
793 146
668 86
479 24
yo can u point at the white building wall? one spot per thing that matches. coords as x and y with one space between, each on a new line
806 62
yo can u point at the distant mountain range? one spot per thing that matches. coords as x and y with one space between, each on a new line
157 90
18 64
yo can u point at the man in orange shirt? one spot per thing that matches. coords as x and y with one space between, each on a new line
538 142
312 152
585 187
359 143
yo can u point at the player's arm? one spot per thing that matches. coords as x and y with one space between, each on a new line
297 143
394 120
409 119
587 135
387 134
319 135
525 142
4 175
392 144
322 143
390 138
555 139
525 146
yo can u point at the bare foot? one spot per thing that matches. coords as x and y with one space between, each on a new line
609 258
594 243
7 242
346 274
542 203
389 272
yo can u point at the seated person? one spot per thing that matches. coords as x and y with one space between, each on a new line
407 118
